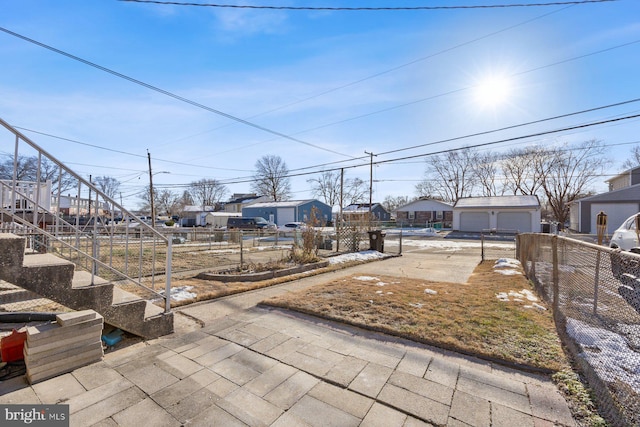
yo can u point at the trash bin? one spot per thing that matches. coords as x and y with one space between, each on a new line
376 240
546 227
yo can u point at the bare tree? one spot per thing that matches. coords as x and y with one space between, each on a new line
525 170
634 161
167 202
571 169
391 203
271 178
108 185
355 191
451 176
207 192
326 186
27 170
486 173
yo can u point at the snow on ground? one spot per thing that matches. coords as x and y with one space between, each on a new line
448 245
522 296
357 256
507 266
181 293
607 352
430 292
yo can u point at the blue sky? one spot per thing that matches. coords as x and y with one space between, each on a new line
340 82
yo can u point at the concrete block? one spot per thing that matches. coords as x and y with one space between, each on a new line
68 319
58 367
68 341
61 353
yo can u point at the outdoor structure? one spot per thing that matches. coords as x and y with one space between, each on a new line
618 204
513 213
26 194
195 216
360 212
425 211
239 201
219 219
281 213
625 179
72 205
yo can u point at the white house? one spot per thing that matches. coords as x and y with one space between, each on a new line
513 213
425 211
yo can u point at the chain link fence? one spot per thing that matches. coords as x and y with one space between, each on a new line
595 295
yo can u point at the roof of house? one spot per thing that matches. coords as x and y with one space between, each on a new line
425 202
244 199
498 202
284 204
625 173
362 207
196 208
626 194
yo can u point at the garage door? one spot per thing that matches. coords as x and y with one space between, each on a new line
617 213
520 221
474 221
286 215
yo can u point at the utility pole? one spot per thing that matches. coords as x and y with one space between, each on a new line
370 181
153 213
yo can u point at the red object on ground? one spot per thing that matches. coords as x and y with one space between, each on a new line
11 346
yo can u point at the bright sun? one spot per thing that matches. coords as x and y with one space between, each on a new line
492 91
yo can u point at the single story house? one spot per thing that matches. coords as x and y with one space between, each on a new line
513 213
239 201
360 212
425 211
617 204
281 213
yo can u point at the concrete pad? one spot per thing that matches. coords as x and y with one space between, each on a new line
490 378
504 397
432 390
371 380
179 366
422 407
319 414
106 408
214 416
146 412
346 370
268 343
415 363
16 395
95 375
151 379
254 360
289 420
204 346
548 404
471 409
503 416
58 389
383 416
214 356
234 371
174 393
98 394
270 379
243 402
191 406
443 372
222 387
345 400
289 392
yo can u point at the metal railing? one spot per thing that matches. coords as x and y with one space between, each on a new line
125 256
595 295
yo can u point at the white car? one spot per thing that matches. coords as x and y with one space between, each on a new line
293 226
625 237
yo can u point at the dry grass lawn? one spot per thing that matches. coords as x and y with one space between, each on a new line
467 318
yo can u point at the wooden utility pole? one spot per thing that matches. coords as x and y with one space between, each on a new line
370 182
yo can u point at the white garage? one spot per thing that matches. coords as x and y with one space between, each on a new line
474 221
502 213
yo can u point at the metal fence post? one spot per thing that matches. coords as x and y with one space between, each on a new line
167 284
556 270
596 284
241 250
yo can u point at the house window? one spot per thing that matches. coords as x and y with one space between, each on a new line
439 214
412 215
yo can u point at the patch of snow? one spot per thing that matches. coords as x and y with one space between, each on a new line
389 293
380 284
181 293
508 272
507 263
416 304
607 352
448 245
539 307
378 292
430 292
357 256
366 278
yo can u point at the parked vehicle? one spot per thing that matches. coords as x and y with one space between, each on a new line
625 237
292 226
255 223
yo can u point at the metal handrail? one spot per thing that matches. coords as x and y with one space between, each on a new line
39 209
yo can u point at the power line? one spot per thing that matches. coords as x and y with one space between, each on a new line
170 94
391 8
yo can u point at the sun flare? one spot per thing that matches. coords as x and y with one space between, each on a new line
492 91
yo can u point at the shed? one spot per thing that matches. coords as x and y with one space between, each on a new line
617 204
425 211
281 213
514 213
